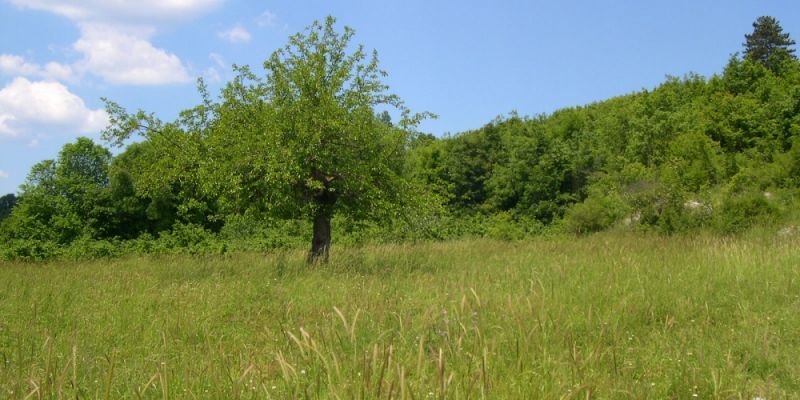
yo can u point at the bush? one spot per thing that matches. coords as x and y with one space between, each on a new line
740 212
685 214
503 227
87 248
242 227
593 215
29 250
247 232
188 238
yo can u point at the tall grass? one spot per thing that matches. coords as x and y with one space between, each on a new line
608 316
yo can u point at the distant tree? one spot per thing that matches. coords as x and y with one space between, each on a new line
768 44
65 198
7 203
385 118
305 141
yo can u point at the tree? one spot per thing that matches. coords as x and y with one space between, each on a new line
65 198
303 141
7 203
768 44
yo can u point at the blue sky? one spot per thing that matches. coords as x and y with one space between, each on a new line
467 61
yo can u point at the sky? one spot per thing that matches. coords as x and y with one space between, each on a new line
466 61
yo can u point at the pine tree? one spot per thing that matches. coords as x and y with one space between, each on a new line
768 44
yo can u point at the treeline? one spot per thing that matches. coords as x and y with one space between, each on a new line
719 154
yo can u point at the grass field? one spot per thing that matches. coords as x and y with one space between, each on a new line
608 316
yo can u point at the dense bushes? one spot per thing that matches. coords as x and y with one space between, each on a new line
739 212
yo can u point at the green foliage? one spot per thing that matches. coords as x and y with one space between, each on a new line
502 226
89 248
189 238
594 214
535 175
699 160
65 198
28 250
249 232
137 212
741 211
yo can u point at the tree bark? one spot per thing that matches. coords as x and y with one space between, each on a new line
321 242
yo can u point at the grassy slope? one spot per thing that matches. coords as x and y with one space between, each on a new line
607 316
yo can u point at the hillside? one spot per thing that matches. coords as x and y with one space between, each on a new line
719 153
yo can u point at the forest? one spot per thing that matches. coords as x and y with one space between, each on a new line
315 150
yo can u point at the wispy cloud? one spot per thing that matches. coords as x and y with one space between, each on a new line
139 11
218 60
17 66
237 34
3 174
267 19
214 72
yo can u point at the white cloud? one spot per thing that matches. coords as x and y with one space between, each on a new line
237 34
16 65
112 53
103 10
3 174
58 71
115 40
122 57
27 106
267 19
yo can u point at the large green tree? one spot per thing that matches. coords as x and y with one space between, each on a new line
65 198
768 44
304 141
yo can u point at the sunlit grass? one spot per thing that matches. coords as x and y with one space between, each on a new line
609 316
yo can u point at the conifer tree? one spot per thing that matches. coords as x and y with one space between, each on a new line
768 44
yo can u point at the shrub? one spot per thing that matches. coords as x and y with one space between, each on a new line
187 238
87 248
29 250
593 215
503 227
740 212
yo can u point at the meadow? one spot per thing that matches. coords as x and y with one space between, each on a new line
611 315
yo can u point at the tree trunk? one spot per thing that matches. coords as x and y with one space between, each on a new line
321 243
